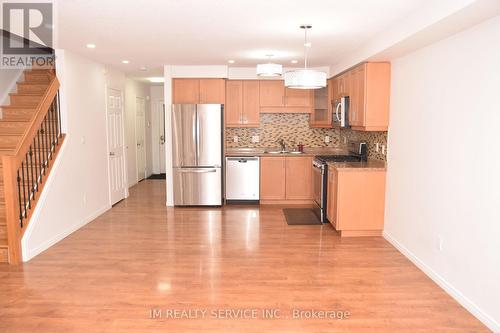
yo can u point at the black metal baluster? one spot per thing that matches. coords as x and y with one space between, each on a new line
23 211
30 153
42 148
47 149
54 124
28 177
37 154
36 163
49 115
19 197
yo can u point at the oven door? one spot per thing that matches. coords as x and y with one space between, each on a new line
318 172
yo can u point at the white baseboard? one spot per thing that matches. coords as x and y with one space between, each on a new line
486 319
29 254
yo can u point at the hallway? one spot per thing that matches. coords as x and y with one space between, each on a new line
141 255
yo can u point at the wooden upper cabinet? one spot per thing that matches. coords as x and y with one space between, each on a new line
251 108
299 178
275 98
195 91
185 91
368 87
377 92
212 91
242 103
272 93
357 97
233 110
299 97
272 178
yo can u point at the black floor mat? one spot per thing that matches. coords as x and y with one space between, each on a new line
300 216
158 176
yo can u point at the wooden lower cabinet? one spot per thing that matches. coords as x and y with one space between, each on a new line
285 179
272 178
298 178
356 201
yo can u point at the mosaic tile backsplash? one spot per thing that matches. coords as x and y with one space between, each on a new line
294 129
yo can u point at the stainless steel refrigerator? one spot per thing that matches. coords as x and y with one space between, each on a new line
197 154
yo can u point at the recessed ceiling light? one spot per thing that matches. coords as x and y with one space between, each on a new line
156 79
231 61
91 46
125 61
294 61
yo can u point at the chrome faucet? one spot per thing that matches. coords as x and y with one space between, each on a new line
282 144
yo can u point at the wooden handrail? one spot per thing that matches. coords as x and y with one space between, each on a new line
12 163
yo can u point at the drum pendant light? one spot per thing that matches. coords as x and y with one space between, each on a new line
305 78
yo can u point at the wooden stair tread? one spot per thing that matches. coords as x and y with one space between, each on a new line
17 107
30 94
30 87
13 127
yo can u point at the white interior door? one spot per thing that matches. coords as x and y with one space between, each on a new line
116 146
161 116
140 132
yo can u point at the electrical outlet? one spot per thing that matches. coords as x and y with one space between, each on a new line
255 139
235 139
83 140
327 139
383 149
377 147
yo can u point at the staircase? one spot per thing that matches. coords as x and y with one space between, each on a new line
30 137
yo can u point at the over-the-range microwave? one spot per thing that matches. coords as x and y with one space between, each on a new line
340 116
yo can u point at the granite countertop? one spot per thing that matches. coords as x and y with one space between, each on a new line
370 165
262 151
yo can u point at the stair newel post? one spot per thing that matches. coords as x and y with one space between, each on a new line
12 208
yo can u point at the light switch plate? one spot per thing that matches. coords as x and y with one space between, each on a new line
255 139
327 139
235 138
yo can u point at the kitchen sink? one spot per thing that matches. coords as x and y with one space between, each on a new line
283 152
276 152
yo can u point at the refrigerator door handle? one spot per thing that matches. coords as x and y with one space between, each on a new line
196 170
197 140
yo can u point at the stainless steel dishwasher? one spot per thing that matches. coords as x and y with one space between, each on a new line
242 179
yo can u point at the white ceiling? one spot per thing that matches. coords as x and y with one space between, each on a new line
201 32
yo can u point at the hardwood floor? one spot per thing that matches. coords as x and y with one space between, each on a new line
141 255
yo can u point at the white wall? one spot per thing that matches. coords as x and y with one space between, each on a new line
443 176
157 95
77 189
8 79
134 89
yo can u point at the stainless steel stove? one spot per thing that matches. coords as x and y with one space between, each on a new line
357 152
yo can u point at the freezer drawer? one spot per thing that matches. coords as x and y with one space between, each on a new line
197 186
242 178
